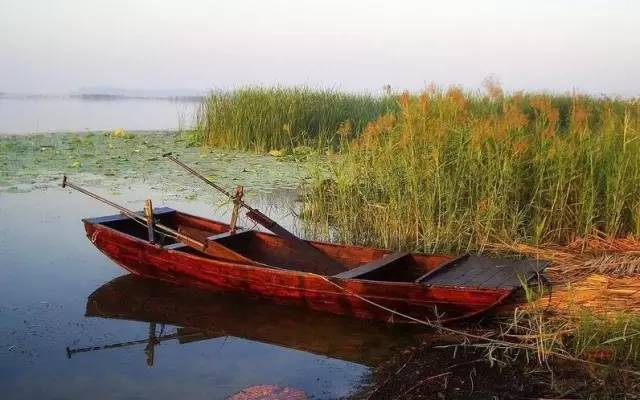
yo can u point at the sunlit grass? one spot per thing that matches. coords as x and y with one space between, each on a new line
453 170
265 119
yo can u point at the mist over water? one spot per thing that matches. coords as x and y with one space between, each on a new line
57 47
31 114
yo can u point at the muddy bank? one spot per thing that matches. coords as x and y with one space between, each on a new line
440 367
437 368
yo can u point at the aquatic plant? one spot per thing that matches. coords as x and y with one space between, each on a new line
265 119
118 159
454 170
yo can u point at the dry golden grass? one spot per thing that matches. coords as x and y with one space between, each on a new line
596 293
598 274
613 257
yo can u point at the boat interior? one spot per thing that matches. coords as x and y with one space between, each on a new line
266 249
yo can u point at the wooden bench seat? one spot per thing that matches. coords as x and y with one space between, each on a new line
175 246
224 235
375 266
213 238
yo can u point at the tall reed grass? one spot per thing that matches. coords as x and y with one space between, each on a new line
264 119
453 170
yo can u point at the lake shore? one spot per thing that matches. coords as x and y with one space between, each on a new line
118 162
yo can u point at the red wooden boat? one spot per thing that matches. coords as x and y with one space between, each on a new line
359 282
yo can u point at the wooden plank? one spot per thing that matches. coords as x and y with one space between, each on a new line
175 246
452 274
525 269
215 249
497 275
325 264
119 217
482 272
440 268
483 267
372 266
460 273
228 234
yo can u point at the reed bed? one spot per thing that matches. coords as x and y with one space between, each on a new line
581 336
264 119
555 177
458 171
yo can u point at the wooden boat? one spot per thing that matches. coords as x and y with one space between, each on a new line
358 281
204 315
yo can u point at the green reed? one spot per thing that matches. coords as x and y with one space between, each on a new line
452 170
264 119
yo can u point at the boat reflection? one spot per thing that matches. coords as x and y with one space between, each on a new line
202 315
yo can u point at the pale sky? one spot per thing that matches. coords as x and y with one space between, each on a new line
58 46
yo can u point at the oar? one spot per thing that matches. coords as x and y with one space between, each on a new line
182 337
159 339
326 264
209 247
189 241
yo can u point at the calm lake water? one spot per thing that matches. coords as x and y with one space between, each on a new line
73 325
26 115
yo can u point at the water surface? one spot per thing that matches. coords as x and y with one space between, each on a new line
61 296
29 114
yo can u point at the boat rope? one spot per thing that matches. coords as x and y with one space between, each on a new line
498 342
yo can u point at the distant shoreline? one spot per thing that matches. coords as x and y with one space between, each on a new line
94 132
100 97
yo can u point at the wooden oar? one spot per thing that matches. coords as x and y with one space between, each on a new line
180 335
326 264
189 241
205 246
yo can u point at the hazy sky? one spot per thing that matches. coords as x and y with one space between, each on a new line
54 46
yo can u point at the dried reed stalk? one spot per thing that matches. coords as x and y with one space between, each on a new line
597 293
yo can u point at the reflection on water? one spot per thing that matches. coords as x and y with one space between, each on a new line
202 315
75 114
210 347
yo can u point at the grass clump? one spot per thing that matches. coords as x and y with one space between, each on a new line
453 170
265 119
591 354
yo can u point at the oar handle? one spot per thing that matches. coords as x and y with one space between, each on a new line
197 174
134 216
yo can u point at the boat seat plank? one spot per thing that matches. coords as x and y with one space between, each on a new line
485 273
161 211
373 266
439 268
478 272
453 269
224 235
521 270
175 246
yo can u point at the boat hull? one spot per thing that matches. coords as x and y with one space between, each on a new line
354 297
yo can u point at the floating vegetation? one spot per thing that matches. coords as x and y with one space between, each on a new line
119 158
266 119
